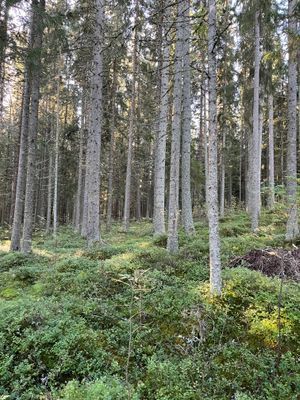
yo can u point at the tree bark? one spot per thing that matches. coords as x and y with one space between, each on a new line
271 194
94 136
222 191
161 134
3 43
255 140
212 187
38 10
56 156
292 228
111 151
172 242
49 195
78 205
16 233
127 201
187 213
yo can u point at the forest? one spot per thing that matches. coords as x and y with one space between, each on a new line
149 194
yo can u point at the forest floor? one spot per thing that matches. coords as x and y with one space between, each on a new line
129 321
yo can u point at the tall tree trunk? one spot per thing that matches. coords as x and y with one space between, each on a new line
187 213
222 191
206 130
212 187
94 137
38 11
78 205
127 201
255 140
271 195
49 195
111 151
3 43
292 228
21 175
172 243
56 156
161 134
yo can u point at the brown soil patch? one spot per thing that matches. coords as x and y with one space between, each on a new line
271 262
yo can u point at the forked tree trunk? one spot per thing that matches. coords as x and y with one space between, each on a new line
172 242
292 228
212 186
187 213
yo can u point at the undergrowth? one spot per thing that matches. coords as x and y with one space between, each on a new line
126 320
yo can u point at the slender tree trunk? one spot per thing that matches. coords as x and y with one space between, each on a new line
172 243
38 10
111 151
94 136
161 134
222 191
3 43
255 140
187 213
56 158
79 195
271 196
49 195
127 201
292 228
212 187
78 205
138 199
21 175
241 167
206 131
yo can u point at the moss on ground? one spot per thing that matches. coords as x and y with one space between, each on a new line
128 320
